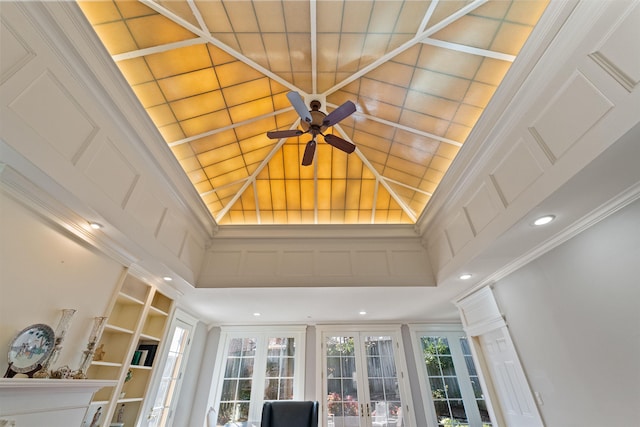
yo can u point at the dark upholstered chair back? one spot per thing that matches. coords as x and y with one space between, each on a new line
288 413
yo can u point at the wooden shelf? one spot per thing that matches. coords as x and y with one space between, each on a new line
138 315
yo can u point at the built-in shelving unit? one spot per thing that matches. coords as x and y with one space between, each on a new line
137 321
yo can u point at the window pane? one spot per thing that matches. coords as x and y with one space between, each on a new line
342 397
280 369
229 388
271 390
445 388
452 388
246 367
286 389
233 366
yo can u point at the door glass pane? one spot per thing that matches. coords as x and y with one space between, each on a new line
445 390
385 405
236 384
170 377
475 382
280 369
342 397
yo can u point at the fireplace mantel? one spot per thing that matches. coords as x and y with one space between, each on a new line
38 402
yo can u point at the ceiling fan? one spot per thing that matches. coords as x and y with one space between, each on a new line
315 122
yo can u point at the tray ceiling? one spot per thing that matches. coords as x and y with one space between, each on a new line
213 77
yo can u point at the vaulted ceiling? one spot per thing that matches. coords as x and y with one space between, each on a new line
214 76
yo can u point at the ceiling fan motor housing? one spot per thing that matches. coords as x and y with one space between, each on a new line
317 117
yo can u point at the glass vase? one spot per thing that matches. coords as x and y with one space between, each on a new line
60 332
87 355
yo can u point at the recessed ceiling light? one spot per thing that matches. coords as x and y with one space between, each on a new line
167 278
362 313
95 225
544 220
465 276
256 314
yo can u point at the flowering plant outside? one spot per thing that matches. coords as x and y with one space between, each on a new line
338 406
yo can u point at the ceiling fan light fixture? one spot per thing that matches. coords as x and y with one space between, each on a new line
316 122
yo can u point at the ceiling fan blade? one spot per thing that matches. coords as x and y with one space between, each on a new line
298 104
277 134
342 112
339 143
309 152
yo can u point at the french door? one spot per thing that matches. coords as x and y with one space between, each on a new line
256 365
363 381
164 403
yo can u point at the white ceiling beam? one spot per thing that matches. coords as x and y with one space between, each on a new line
469 49
198 15
405 128
158 49
427 16
315 189
253 176
255 198
410 187
381 180
225 128
417 39
314 46
222 187
208 37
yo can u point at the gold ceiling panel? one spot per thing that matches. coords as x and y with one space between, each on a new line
213 76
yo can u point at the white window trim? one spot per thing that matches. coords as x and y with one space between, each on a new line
401 361
229 332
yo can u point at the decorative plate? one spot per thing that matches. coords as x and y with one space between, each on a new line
31 347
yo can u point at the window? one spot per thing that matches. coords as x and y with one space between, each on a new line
255 366
363 379
447 371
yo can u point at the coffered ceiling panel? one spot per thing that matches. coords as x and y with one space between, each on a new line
214 77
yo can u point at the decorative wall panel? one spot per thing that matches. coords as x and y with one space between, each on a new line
481 209
614 55
48 108
409 263
370 263
571 113
315 262
516 172
439 250
459 231
260 263
222 263
145 207
106 159
172 232
339 261
15 52
297 263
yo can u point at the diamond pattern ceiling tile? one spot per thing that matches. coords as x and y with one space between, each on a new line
213 76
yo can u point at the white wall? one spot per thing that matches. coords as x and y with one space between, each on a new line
43 270
574 318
